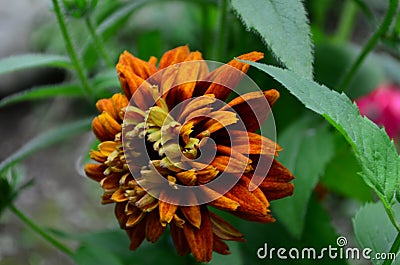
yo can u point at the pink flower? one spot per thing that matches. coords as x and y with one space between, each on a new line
382 106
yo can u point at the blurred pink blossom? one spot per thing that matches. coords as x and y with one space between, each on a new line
382 106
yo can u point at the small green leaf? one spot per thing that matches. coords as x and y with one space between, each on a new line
283 25
26 61
374 150
374 230
307 151
66 90
46 139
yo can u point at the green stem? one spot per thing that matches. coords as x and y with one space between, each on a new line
98 42
41 232
346 21
370 44
70 49
394 249
221 37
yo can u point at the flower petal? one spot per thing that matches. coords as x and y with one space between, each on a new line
192 214
222 80
252 107
220 246
167 210
252 143
224 230
174 56
119 211
95 171
249 203
154 229
222 202
200 240
186 78
137 234
179 239
137 66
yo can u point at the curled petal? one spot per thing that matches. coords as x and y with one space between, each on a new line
179 239
253 107
200 240
119 196
228 75
154 229
119 211
174 56
137 234
224 230
106 105
249 203
98 156
220 246
167 211
192 214
222 202
185 79
95 171
137 66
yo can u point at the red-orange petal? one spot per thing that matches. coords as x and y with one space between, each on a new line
174 56
179 239
154 229
137 234
249 203
95 171
254 107
220 246
167 210
200 240
227 77
185 79
192 214
224 230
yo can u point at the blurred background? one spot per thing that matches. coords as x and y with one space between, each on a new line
64 200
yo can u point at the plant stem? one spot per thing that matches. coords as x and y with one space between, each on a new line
221 37
98 42
394 249
41 232
346 22
370 44
70 49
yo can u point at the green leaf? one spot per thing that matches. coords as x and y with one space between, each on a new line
46 139
374 230
283 25
307 151
26 61
66 90
374 150
342 174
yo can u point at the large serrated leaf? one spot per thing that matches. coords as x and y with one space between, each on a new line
374 230
374 150
46 139
283 25
307 152
26 61
69 90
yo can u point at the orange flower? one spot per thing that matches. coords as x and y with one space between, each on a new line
170 150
